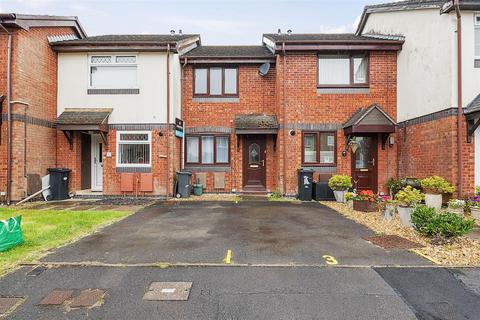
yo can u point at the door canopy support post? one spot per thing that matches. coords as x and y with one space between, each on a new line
69 136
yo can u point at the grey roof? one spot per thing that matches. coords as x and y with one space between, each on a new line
412 5
27 21
230 52
473 106
83 116
360 116
129 38
321 37
256 121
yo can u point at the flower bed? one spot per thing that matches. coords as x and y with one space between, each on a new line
462 252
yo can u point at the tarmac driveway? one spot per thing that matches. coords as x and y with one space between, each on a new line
256 233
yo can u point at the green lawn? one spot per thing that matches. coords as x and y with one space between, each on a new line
47 229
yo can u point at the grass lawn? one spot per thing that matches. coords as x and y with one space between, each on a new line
47 229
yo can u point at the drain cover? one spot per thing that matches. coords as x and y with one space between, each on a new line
36 271
56 297
88 299
8 304
168 291
393 242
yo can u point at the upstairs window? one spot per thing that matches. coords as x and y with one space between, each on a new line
207 149
343 70
113 72
216 82
477 36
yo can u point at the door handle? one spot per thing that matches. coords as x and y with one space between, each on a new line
373 162
263 163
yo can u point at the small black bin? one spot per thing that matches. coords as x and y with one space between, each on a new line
184 184
322 192
305 180
59 183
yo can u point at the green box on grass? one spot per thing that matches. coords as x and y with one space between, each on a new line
10 233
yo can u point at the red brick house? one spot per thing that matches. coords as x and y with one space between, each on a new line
28 108
248 130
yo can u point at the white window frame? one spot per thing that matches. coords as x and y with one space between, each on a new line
111 64
476 27
134 165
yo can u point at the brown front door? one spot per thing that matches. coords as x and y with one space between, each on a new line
254 163
86 179
364 164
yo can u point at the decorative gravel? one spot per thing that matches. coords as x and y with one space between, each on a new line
462 252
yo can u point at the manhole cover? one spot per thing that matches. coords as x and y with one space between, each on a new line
88 299
168 291
36 271
56 297
8 304
392 242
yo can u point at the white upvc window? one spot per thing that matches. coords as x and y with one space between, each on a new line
477 36
112 71
134 148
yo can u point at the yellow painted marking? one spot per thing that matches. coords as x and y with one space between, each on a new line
164 265
228 257
434 261
330 260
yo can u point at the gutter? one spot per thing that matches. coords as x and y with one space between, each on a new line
459 97
9 114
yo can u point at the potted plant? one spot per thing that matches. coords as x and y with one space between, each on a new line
389 209
349 199
394 185
434 187
456 206
340 184
366 201
475 211
407 198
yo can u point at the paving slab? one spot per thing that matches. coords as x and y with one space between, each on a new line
218 293
259 232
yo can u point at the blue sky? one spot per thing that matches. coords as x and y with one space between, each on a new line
218 22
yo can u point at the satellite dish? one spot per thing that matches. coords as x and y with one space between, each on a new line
264 68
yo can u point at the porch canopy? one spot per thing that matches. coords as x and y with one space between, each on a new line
85 120
256 124
370 120
472 115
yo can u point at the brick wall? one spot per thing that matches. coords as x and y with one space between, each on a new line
430 148
292 84
256 96
34 73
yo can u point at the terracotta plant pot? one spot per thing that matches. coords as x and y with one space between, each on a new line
405 214
339 195
433 201
365 206
475 213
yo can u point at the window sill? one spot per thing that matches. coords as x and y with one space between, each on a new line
133 169
321 169
342 90
477 63
113 91
217 99
200 168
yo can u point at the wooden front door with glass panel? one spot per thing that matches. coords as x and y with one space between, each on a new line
254 163
364 164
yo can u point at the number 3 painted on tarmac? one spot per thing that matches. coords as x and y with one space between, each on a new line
330 260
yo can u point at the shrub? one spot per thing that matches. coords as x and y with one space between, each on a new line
340 182
445 225
349 196
409 196
436 185
394 185
477 190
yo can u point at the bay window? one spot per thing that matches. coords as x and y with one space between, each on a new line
319 148
134 148
207 149
343 70
113 72
216 81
